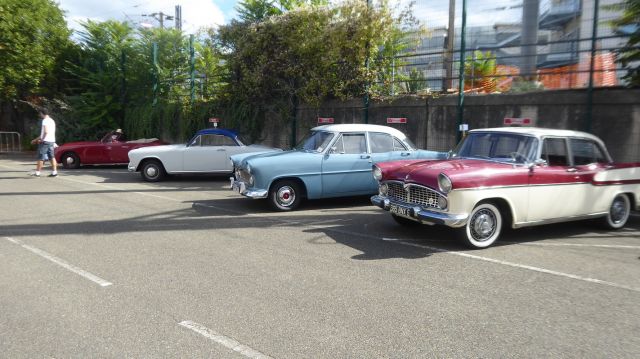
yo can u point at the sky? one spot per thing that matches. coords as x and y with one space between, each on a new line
195 13
208 13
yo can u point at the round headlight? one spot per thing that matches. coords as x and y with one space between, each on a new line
444 183
377 173
384 189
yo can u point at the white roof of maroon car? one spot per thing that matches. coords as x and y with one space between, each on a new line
355 127
538 132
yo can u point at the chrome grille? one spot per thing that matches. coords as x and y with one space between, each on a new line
242 175
416 194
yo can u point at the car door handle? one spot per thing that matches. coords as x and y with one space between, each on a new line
405 154
572 170
365 157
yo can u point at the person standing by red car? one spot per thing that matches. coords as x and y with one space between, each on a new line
46 142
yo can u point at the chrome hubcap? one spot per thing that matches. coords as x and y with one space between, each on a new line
286 196
483 225
69 160
618 210
151 171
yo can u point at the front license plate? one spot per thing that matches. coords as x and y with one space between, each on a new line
400 211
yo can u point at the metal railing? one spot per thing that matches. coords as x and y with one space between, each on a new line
10 142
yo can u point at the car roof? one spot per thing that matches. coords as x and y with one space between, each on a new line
217 131
539 132
356 127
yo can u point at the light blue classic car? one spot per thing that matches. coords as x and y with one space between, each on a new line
331 161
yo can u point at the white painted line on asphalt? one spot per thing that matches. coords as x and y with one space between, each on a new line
524 266
101 282
622 246
491 260
224 340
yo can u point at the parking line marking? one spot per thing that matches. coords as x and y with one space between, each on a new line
622 246
224 340
524 266
101 282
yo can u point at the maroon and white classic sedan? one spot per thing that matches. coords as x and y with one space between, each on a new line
110 150
514 177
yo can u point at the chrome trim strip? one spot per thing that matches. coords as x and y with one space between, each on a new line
559 220
518 186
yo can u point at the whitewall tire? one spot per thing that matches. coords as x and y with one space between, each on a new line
618 212
483 227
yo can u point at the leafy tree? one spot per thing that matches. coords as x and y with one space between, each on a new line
629 55
33 34
259 10
99 96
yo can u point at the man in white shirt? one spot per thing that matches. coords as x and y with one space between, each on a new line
46 142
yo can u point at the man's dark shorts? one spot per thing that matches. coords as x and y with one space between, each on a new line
45 151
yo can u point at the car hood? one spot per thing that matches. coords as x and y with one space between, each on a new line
464 173
156 149
80 143
241 159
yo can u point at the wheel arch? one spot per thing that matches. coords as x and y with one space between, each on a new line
505 207
147 159
298 180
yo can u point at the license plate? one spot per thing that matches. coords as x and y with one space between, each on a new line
400 211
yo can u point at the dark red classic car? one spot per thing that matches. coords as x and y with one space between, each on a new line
511 177
108 151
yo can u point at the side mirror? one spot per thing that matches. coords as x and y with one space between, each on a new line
537 163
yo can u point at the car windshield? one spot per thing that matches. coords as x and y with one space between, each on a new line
502 147
315 141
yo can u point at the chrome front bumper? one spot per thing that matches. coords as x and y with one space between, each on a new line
421 215
241 188
131 168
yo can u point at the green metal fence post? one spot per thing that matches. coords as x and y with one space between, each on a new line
594 34
192 69
155 73
461 76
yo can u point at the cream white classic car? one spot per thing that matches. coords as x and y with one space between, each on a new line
513 177
207 152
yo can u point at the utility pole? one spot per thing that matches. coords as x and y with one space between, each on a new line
160 16
178 17
463 30
528 50
448 57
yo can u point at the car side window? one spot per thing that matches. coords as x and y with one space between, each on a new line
586 152
554 151
380 142
351 143
196 141
398 145
217 140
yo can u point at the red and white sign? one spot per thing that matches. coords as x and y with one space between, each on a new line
517 121
325 119
396 120
214 120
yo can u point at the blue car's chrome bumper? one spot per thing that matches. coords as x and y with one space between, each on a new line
241 188
419 214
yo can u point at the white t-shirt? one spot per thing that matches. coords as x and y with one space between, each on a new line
51 130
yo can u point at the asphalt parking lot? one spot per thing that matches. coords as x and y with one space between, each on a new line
97 263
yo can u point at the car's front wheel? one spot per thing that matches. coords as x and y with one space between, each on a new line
152 171
285 195
618 212
483 227
70 160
